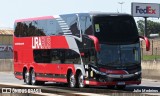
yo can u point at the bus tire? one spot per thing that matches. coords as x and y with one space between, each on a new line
27 78
33 79
121 87
72 80
80 80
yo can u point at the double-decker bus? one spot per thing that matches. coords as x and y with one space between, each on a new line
101 49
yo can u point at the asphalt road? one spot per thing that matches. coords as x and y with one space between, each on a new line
147 84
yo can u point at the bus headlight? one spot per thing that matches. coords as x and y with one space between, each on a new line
137 73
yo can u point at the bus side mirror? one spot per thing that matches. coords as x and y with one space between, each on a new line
96 42
146 41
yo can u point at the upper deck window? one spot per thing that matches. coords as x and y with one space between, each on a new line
115 29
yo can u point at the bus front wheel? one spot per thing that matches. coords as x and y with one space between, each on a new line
80 80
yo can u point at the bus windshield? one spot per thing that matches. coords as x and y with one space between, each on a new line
111 55
115 29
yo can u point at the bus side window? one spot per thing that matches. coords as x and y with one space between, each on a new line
62 56
89 56
72 57
88 26
46 56
73 25
65 56
55 56
89 30
42 56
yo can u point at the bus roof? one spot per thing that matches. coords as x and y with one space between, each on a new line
35 18
108 14
90 13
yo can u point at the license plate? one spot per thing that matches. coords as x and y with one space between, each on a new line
121 83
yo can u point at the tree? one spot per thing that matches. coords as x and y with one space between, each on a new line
152 27
140 24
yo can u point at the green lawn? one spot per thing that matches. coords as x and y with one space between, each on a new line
151 57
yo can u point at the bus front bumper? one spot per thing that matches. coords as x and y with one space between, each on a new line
97 83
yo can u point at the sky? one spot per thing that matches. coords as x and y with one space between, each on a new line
19 9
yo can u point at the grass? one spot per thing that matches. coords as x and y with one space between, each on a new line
151 57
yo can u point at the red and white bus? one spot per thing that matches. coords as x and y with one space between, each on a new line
101 49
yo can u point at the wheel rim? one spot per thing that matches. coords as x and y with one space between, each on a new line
33 77
81 81
27 77
72 81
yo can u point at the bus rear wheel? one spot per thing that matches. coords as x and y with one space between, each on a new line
27 78
33 79
72 80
